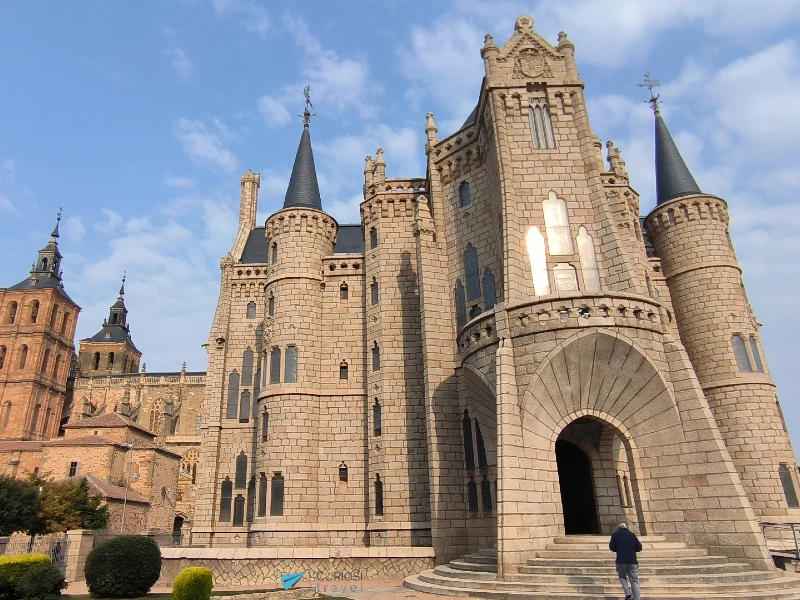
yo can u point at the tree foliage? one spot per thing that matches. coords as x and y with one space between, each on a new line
18 505
123 567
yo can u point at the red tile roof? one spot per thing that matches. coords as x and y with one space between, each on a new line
20 446
84 440
106 489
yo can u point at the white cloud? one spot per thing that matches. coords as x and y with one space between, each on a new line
253 17
5 204
203 145
273 111
182 183
74 229
111 224
181 64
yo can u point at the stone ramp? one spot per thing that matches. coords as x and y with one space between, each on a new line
582 568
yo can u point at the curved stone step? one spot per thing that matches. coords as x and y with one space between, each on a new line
579 539
655 553
610 576
603 546
471 566
646 561
480 559
581 568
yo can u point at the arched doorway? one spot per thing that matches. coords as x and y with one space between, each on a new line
577 489
177 530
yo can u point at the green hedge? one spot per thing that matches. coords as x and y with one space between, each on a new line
40 582
14 567
194 583
123 567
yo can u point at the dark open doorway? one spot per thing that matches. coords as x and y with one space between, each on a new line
577 489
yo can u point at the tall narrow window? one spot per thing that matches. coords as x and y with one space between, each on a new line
378 496
233 395
536 254
290 367
788 486
251 310
619 491
3 351
591 274
7 414
541 127
463 194
241 471
23 356
34 311
274 252
238 511
376 357
556 222
264 426
483 464
343 477
96 363
373 288
110 360
262 495
73 468
35 418
471 271
12 313
45 360
376 417
343 291
461 305
626 482
57 367
64 323
740 352
247 367
53 317
275 366
47 416
756 354
343 371
489 291
486 495
469 452
472 495
271 305
225 499
276 500
373 238
251 499
244 406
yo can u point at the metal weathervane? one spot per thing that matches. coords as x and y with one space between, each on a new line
650 84
306 116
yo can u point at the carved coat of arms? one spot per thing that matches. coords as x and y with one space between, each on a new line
531 63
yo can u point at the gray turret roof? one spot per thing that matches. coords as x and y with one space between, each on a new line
349 240
673 178
303 187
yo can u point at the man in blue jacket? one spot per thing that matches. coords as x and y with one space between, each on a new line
625 543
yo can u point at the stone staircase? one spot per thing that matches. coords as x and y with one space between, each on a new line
582 568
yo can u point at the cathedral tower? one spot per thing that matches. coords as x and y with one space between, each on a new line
689 230
37 325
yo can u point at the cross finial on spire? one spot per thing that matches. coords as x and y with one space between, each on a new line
55 233
122 287
650 84
306 116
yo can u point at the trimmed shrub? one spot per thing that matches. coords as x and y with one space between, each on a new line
40 582
194 583
123 567
14 567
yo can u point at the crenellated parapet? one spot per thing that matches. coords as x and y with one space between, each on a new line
302 220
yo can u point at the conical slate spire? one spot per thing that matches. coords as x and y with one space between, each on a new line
303 188
673 178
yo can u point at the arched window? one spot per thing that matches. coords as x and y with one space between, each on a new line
262 495
469 452
247 367
591 274
343 291
483 464
114 318
343 372
251 499
471 272
275 366
376 417
188 467
565 277
96 363
376 357
3 352
241 471
740 352
35 418
756 354
271 304
264 426
461 305
373 238
472 495
489 291
34 311
53 316
541 126
274 252
47 416
556 222
226 496
7 414
110 360
378 496
474 311
373 288
251 310
12 313
45 360
57 367
536 254
233 395
276 500
244 406
23 356
463 194
64 323
290 366
486 495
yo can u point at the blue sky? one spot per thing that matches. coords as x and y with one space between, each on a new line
140 118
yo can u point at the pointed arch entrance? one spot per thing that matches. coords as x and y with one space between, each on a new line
577 489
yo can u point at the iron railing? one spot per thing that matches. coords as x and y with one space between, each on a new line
782 538
53 546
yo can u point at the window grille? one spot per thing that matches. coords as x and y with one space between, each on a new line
541 126
276 500
472 495
486 495
469 452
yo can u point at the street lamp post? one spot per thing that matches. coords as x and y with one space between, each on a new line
129 446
